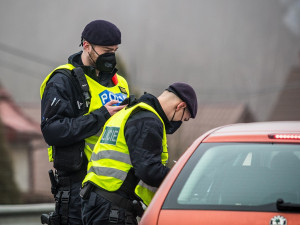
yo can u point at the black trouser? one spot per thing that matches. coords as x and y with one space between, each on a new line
97 210
74 206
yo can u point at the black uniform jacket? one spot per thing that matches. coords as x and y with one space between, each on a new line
144 134
63 123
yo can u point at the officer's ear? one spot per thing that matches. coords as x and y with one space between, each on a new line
181 105
86 45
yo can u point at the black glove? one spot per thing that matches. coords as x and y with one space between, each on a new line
130 101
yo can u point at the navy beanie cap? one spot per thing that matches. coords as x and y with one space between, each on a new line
187 94
101 32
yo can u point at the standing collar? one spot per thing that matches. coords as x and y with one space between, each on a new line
76 61
153 101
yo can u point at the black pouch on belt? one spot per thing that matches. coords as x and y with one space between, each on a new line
86 191
69 158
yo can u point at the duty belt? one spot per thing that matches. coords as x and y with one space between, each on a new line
117 200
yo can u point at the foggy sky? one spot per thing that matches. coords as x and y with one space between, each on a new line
236 51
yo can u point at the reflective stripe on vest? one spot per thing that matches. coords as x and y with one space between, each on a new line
145 192
110 154
100 95
112 172
110 159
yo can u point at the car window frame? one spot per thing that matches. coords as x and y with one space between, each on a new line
171 198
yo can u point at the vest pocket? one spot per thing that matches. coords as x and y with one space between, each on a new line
69 158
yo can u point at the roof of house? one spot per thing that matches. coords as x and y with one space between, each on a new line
16 124
33 111
288 103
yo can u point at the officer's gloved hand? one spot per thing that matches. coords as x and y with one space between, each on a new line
130 101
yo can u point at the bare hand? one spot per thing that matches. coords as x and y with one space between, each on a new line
113 109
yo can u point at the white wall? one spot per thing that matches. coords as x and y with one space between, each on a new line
21 164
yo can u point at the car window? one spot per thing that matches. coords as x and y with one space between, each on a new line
237 175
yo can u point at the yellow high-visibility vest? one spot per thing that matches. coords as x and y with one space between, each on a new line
110 161
100 95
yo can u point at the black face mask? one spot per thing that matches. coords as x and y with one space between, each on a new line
106 63
174 124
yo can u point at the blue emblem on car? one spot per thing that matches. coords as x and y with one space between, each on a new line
278 220
106 96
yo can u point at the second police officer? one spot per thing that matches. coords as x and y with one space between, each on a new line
129 160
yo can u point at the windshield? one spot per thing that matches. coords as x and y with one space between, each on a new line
237 175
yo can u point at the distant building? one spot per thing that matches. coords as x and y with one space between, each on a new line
287 106
28 150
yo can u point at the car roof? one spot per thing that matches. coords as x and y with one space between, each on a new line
254 132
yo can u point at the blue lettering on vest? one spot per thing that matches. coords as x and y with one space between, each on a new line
106 96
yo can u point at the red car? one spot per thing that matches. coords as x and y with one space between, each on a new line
236 174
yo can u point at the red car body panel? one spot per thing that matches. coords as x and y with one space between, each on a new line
196 217
256 132
249 132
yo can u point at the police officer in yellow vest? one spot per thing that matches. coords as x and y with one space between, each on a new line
77 99
129 160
